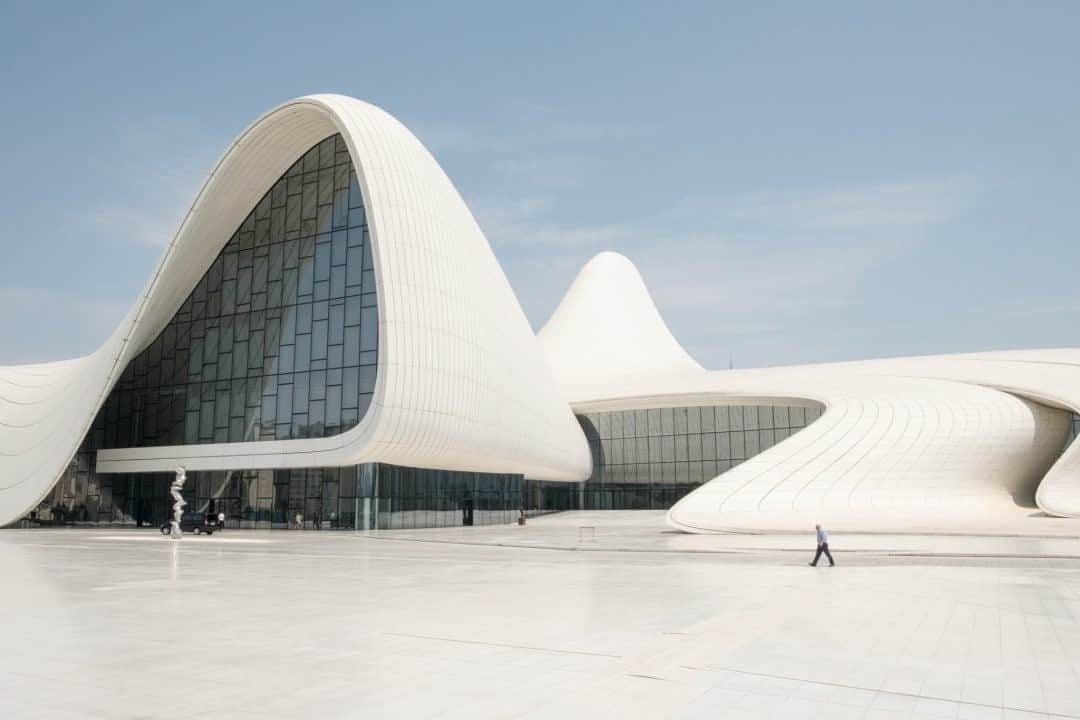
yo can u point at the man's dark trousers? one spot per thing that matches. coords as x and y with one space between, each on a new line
823 548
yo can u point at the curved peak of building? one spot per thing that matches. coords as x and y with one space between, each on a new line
607 333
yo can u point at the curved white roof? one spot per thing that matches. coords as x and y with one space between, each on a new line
461 384
607 333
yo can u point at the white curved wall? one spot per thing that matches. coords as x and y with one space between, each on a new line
900 439
896 453
461 384
607 333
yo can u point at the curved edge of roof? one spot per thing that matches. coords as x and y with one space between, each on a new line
607 331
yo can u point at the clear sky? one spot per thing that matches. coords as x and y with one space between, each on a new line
797 182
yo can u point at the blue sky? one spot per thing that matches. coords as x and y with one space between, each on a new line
797 182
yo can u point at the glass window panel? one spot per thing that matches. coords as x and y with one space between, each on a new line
335 356
723 446
708 419
708 445
303 318
340 218
369 330
350 384
355 199
306 283
254 362
206 420
309 198
367 379
333 406
365 400
693 419
680 418
221 408
300 390
694 446
735 415
738 445
641 449
751 441
681 449
352 346
336 325
302 361
615 424
667 421
337 282
229 265
317 385
243 285
316 418
667 448
603 425
654 422
767 438
322 261
318 340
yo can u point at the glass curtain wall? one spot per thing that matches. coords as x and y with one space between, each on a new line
279 339
369 496
649 459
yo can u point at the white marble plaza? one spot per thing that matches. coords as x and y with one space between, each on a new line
538 622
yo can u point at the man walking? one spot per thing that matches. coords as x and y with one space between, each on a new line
822 547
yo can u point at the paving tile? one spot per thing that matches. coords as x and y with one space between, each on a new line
103 624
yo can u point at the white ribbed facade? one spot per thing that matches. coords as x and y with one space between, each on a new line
463 384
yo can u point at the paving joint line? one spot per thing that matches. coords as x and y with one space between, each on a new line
713 668
503 645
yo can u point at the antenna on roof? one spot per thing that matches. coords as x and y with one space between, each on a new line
731 361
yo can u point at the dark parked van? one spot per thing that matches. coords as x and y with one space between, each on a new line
194 522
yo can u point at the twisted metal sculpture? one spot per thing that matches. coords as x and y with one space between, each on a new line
178 503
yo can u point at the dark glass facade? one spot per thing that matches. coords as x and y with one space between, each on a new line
363 497
279 339
649 459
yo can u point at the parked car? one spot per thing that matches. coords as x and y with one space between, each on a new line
194 522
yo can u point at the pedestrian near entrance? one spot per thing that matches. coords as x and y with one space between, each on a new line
822 547
221 521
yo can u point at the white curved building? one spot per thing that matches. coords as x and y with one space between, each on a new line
330 336
439 341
